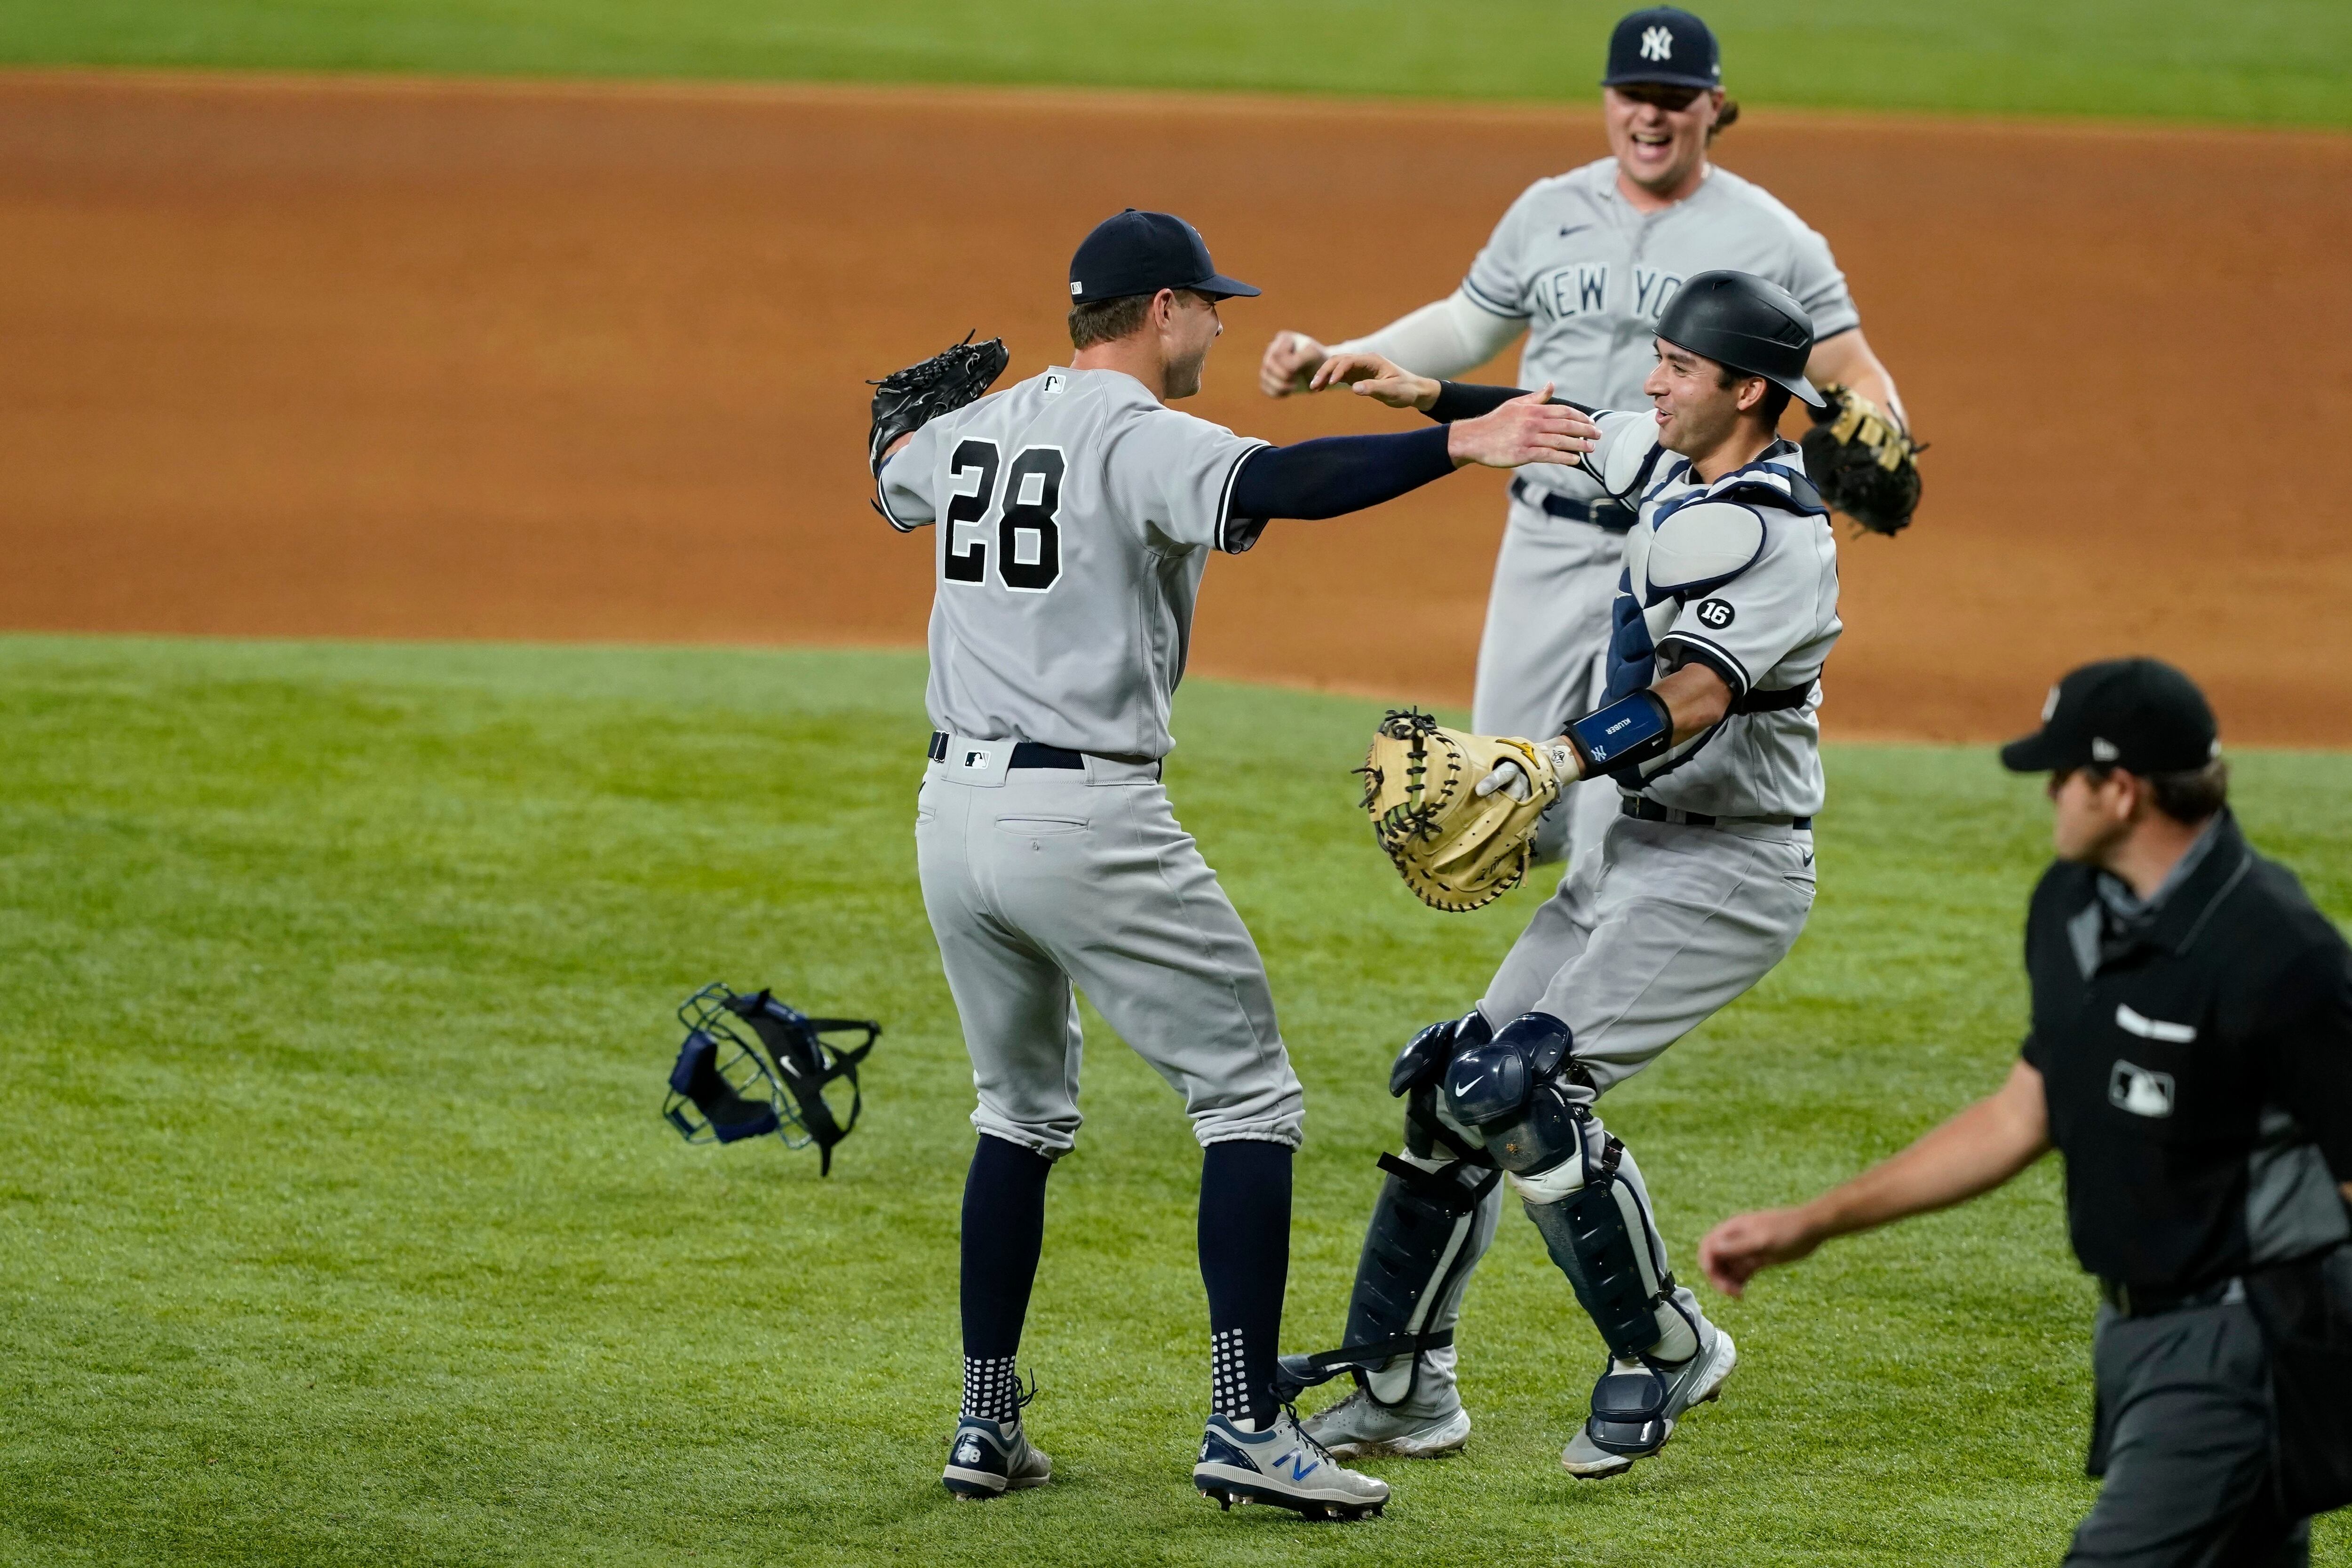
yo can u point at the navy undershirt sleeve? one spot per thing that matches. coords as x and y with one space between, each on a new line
1333 475
1468 400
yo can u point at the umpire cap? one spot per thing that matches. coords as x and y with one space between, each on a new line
1745 323
2137 714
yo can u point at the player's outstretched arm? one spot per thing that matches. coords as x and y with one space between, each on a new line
1334 475
1973 1152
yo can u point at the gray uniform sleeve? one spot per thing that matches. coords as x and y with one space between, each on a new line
904 489
1818 286
1743 627
1496 281
1174 474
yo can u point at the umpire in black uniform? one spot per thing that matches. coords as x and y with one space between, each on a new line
2191 1058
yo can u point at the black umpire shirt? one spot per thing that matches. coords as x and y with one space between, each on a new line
2196 1055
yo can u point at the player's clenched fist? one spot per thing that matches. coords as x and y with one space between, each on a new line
1530 429
1289 360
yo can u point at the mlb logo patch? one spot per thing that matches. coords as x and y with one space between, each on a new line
977 761
2139 1090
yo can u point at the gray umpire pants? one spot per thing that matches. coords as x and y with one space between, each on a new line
1039 879
2184 1441
1539 658
1644 941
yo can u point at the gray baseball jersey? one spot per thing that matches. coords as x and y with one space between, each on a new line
1590 275
1076 515
1740 574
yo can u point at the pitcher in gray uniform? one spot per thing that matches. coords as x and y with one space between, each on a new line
1705 736
1074 513
1586 263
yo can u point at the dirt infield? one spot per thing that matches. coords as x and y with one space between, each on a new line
427 360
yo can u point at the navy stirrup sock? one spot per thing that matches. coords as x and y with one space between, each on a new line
1246 1264
1003 1230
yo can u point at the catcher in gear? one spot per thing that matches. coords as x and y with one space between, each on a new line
1724 614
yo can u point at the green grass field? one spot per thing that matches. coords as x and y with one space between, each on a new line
2269 61
340 1228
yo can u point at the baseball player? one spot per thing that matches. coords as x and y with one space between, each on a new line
1586 264
1705 730
1076 512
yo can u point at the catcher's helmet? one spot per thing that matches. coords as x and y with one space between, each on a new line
1745 323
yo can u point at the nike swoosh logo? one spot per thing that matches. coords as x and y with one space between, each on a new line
1809 857
1574 229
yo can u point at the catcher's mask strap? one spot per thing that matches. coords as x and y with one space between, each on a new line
807 1064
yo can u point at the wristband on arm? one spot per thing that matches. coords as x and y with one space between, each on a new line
1629 732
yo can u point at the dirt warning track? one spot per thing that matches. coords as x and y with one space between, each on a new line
382 358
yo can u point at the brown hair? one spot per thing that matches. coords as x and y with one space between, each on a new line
1107 320
2190 796
1725 118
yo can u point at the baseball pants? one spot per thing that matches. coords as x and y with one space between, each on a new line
1644 941
1041 880
1540 656
2184 1441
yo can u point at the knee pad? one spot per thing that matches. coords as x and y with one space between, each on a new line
1417 1245
1597 1236
1508 1092
1422 1060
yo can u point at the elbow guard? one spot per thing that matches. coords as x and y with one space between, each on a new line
1629 732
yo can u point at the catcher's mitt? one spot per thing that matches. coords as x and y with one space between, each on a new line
907 400
1456 848
1862 461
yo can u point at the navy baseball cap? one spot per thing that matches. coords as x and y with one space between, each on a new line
1142 253
1666 45
2137 714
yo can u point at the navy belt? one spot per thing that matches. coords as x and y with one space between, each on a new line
1613 515
1648 810
1025 754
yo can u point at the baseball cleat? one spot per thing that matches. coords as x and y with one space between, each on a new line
1636 1407
1284 1466
989 1458
1357 1428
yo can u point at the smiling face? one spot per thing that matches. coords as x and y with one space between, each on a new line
1697 413
1658 133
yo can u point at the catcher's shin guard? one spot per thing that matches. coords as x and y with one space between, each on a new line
1425 1237
1430 1226
1599 1239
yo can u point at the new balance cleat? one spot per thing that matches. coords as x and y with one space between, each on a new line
989 1458
1636 1407
1284 1466
1357 1428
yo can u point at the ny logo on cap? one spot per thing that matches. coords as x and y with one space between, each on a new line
1657 43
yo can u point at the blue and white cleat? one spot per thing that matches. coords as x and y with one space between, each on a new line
988 1460
1284 1466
